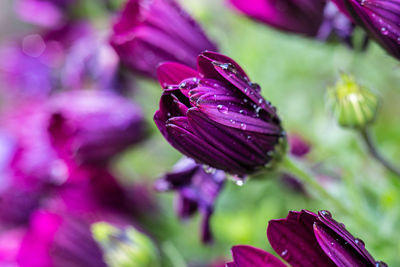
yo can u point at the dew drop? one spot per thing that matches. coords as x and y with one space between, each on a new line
245 100
222 109
241 111
380 264
326 213
384 31
359 242
243 126
239 180
284 253
208 169
168 114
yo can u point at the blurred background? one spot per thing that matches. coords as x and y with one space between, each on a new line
293 72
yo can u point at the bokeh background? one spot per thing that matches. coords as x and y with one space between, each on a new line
293 73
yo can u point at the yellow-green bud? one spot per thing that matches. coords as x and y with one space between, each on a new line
125 247
353 105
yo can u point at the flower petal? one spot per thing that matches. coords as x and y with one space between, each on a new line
172 73
247 256
294 240
340 251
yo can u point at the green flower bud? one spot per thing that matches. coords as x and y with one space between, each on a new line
125 247
353 105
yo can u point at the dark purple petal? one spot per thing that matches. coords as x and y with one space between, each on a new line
143 39
171 73
206 67
356 246
302 17
380 19
231 264
247 256
340 252
294 240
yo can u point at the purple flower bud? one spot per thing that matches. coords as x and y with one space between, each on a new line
93 126
150 32
298 146
198 190
217 116
379 18
305 239
324 242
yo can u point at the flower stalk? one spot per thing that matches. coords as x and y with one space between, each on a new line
288 165
373 150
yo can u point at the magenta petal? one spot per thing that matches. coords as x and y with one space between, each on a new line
205 64
340 251
288 235
172 73
247 256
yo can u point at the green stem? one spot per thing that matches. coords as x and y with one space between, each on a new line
305 176
372 149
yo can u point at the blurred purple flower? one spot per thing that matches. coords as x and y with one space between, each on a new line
93 126
149 32
91 62
217 116
30 68
56 240
45 13
306 239
303 17
380 19
197 190
313 18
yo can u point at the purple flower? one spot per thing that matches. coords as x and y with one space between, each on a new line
56 240
324 242
313 18
46 13
91 62
31 66
150 32
93 126
305 239
197 189
379 18
217 116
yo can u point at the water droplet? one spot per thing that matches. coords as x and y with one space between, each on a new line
284 253
168 114
222 109
326 213
384 31
241 111
249 137
243 126
380 264
239 180
260 101
359 242
398 40
208 169
245 100
233 122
